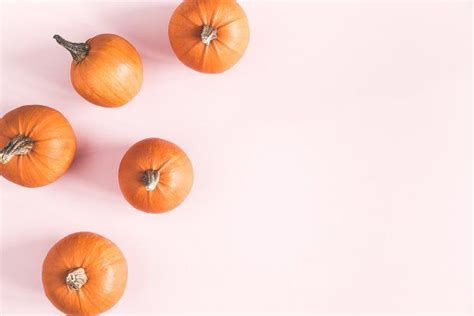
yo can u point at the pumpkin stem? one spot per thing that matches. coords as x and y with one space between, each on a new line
19 145
78 51
150 179
208 34
76 278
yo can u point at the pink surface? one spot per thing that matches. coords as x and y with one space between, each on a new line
332 164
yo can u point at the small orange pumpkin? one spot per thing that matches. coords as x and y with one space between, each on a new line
209 35
37 145
106 70
155 175
84 274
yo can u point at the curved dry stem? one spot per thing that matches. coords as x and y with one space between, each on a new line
78 51
76 278
20 145
208 34
150 179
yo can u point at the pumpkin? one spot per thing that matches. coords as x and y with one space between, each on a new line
84 274
106 70
37 145
155 175
209 35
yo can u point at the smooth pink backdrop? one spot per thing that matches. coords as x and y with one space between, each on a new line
332 164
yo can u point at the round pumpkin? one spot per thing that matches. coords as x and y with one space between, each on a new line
37 145
155 175
106 70
209 35
84 274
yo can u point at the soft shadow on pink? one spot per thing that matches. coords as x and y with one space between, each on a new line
97 166
47 76
146 27
22 263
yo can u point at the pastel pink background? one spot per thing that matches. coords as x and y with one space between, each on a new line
332 164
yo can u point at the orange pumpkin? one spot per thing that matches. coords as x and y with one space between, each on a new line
37 145
106 70
155 175
84 274
209 35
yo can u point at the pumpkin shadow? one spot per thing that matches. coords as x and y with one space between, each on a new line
97 167
22 264
146 26
48 74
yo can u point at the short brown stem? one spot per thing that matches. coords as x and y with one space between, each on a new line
20 145
150 179
208 34
76 278
78 51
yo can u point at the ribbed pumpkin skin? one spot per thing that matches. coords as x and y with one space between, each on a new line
111 74
185 27
176 175
53 150
104 265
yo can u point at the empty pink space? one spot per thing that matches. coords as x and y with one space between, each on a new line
332 163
